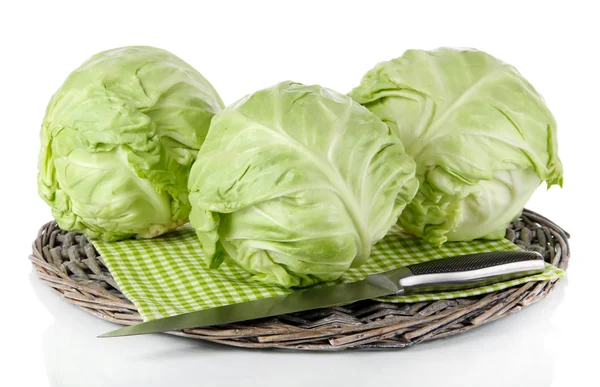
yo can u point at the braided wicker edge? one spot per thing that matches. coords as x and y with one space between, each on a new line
73 269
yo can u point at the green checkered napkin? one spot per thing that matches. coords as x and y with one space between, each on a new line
166 276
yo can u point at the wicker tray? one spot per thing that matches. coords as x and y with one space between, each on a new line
72 267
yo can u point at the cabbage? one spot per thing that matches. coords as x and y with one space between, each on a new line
482 137
296 183
118 140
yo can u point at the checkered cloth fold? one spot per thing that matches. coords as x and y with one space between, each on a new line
166 276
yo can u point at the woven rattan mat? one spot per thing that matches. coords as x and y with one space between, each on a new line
71 266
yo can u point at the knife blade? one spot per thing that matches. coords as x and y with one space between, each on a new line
460 272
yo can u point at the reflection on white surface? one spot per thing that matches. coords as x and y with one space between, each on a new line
511 351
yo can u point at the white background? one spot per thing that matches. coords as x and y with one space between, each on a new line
242 47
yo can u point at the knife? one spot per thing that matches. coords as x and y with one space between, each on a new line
447 274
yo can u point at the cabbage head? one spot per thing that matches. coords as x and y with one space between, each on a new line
482 137
296 183
118 141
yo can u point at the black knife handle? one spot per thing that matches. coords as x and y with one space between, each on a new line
461 272
472 262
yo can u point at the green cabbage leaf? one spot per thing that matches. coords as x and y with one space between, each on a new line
118 141
482 137
296 183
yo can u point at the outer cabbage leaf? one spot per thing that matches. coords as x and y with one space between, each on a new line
296 183
482 137
118 141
